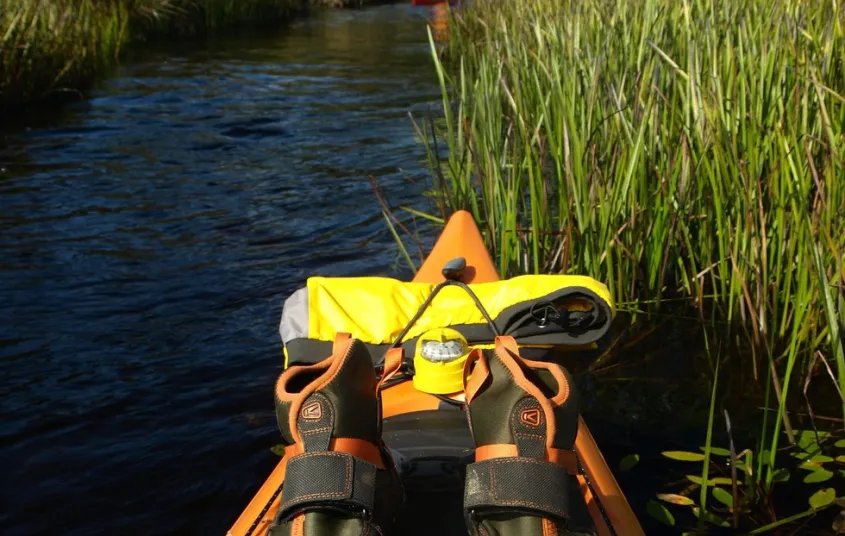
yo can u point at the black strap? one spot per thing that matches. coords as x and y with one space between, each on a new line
440 286
332 480
508 484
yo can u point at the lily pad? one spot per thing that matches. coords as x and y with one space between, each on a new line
278 450
709 517
628 462
723 496
810 465
822 498
820 475
780 475
717 451
717 481
660 513
684 456
673 498
810 438
697 480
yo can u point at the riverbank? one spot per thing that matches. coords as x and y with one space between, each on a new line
689 155
55 50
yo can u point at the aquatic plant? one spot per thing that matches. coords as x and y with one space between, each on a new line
49 46
687 153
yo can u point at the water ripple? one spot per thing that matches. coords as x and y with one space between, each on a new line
149 238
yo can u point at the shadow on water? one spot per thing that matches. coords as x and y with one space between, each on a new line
150 235
649 391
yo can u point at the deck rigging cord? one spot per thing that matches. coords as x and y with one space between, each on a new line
406 370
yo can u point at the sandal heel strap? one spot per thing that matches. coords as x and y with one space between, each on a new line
516 483
330 480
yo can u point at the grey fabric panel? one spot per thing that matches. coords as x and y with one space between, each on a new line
294 324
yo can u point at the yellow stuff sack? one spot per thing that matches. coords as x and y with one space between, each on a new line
558 310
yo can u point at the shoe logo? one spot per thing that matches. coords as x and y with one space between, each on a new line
530 417
312 412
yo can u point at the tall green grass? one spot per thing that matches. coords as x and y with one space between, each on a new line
49 46
681 151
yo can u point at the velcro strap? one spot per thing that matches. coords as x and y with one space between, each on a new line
330 480
502 484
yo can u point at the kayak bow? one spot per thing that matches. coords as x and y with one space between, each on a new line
428 438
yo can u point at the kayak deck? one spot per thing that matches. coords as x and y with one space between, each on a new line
432 449
432 444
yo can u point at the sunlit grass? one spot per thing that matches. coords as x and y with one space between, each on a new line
671 149
49 46
44 44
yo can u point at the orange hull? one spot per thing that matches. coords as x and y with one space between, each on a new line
609 509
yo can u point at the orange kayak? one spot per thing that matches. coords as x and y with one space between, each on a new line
434 440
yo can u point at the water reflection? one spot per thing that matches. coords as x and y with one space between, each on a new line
149 237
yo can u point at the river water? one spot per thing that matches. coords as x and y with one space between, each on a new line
149 238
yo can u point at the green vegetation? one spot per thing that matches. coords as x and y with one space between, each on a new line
687 153
55 46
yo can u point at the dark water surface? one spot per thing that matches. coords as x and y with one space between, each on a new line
150 236
148 241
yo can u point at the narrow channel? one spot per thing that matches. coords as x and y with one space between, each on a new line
149 236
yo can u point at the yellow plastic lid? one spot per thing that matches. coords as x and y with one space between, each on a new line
439 361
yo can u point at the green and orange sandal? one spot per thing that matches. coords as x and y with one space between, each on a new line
340 478
523 416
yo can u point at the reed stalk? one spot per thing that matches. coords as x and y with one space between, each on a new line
54 46
672 149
